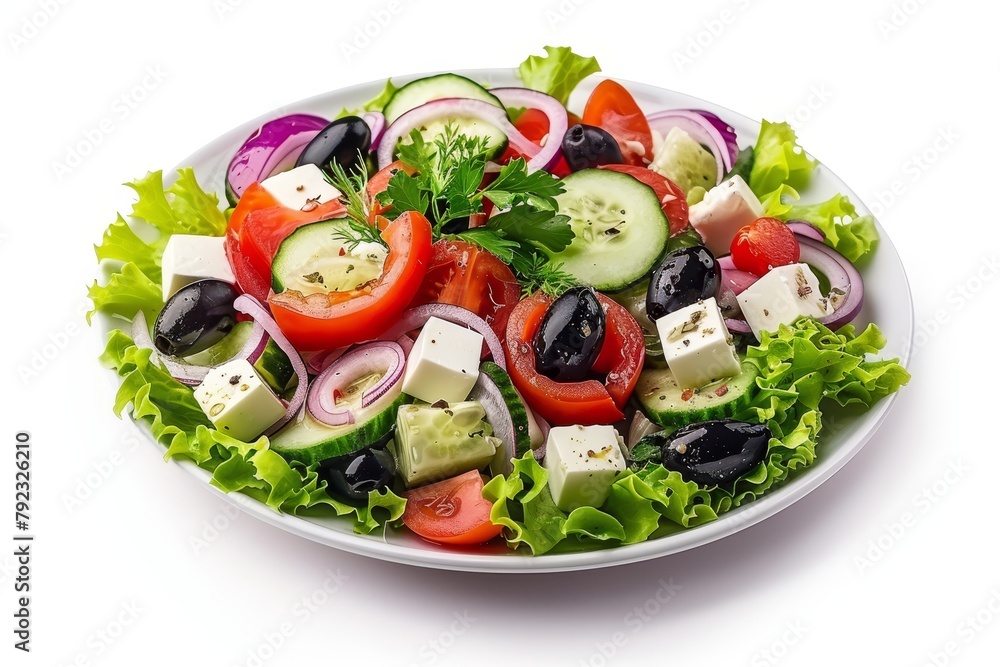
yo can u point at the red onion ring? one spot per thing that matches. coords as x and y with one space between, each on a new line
368 358
725 129
488 394
700 129
807 229
193 374
376 123
273 143
416 317
553 110
640 427
317 362
250 306
450 108
544 427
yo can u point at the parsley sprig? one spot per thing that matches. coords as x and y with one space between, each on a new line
445 186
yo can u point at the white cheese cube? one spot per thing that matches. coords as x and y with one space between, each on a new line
444 362
728 206
237 401
188 258
300 186
697 344
782 295
582 462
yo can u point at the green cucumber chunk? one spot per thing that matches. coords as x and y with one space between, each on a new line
317 259
685 162
620 229
667 404
434 442
273 365
444 86
309 441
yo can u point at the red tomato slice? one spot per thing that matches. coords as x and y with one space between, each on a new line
612 108
336 319
764 244
464 275
588 402
379 182
451 512
672 198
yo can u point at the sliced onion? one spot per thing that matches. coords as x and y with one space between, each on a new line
406 343
842 276
640 428
552 108
488 394
452 107
416 317
700 129
250 306
317 362
375 357
376 123
737 326
193 374
275 143
736 281
807 229
544 427
725 129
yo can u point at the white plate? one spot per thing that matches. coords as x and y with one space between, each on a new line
888 302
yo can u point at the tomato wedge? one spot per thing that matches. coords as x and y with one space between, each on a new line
378 183
451 512
612 108
464 275
534 125
672 199
588 402
336 319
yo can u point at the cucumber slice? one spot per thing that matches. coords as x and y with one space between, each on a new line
621 231
273 364
309 441
444 86
315 259
685 162
665 403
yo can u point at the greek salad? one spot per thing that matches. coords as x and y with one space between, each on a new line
473 314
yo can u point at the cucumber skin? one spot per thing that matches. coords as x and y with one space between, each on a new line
360 437
670 416
394 107
518 411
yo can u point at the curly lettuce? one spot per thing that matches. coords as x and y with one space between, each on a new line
558 72
176 421
182 208
803 368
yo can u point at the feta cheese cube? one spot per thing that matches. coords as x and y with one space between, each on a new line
237 401
697 344
444 362
782 295
188 258
728 206
582 462
300 186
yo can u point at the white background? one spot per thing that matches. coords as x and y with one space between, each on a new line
886 93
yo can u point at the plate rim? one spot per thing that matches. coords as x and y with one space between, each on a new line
728 524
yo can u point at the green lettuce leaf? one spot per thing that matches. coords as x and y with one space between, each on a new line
378 103
778 160
177 422
183 208
557 73
121 243
851 235
127 292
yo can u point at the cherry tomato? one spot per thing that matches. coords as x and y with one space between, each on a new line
764 244
336 319
612 108
534 125
451 512
464 275
587 402
672 198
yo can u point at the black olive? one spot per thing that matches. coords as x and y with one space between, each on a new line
586 146
345 141
570 336
196 317
715 453
352 476
685 276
